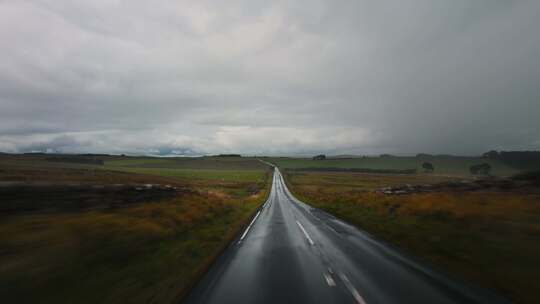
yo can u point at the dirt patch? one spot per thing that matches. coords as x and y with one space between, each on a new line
21 198
505 185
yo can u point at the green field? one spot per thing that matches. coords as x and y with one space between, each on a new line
197 163
444 165
190 174
233 176
221 175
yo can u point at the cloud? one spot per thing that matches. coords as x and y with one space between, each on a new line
269 77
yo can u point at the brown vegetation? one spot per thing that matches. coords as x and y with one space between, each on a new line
488 236
63 238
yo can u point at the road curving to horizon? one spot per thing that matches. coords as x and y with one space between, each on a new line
294 253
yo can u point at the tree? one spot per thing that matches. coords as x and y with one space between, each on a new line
319 157
480 169
428 167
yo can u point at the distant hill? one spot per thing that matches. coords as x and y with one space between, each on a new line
344 156
522 160
229 155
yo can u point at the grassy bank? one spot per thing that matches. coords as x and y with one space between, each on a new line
146 252
486 237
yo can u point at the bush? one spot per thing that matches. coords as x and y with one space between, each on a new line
428 167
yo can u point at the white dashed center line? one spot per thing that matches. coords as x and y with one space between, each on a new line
329 280
305 233
356 295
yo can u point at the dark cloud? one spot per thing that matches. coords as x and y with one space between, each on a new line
269 77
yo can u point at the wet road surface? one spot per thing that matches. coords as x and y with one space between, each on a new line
294 253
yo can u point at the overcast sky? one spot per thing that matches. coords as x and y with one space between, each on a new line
269 77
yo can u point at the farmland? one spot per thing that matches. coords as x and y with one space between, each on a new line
444 165
129 230
112 229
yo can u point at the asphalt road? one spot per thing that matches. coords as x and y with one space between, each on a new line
293 253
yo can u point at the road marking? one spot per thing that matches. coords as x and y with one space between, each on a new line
356 295
247 229
329 279
305 233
